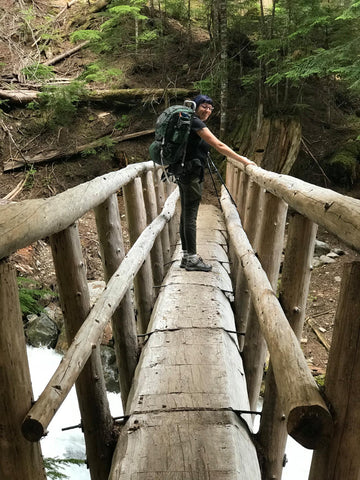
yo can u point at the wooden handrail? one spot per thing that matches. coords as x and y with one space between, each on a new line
24 222
338 213
308 419
40 415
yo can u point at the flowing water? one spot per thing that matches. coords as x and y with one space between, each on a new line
70 443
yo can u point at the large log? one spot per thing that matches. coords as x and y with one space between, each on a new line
127 96
97 423
294 288
308 419
25 222
338 213
38 418
189 382
341 460
18 458
123 321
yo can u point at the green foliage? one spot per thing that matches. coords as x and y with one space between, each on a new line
52 466
122 123
30 178
83 35
38 72
30 292
59 104
98 73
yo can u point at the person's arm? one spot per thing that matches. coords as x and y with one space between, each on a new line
221 147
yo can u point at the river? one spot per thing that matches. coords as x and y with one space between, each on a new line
70 443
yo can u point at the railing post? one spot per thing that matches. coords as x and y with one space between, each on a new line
123 321
294 288
156 254
252 222
96 418
143 282
269 252
19 458
341 459
165 236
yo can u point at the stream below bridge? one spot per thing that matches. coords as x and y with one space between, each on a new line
70 443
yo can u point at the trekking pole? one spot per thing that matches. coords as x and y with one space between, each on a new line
209 159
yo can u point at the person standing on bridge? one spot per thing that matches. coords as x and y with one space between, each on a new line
190 179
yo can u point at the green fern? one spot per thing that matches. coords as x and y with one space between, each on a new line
52 466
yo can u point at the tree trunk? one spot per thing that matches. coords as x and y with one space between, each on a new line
19 458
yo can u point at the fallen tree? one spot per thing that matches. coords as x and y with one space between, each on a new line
60 154
144 95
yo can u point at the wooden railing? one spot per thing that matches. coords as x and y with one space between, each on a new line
292 402
152 237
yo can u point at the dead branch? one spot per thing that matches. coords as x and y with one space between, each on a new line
57 59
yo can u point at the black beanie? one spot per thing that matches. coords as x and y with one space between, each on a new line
202 99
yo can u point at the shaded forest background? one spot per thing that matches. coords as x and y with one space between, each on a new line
77 76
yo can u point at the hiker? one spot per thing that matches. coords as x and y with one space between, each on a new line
190 179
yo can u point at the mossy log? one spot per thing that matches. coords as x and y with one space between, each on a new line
127 96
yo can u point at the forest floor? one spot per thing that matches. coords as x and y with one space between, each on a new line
44 180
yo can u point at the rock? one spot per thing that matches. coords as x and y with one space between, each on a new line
325 259
339 251
321 248
332 255
42 332
111 374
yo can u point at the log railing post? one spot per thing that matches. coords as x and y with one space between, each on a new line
123 321
269 251
341 459
294 288
96 418
173 225
156 254
308 419
165 235
143 282
252 224
19 458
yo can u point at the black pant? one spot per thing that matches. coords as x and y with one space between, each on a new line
190 197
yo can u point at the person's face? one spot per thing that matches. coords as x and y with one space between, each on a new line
204 111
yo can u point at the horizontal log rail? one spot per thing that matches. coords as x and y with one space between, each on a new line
24 222
339 214
308 419
40 415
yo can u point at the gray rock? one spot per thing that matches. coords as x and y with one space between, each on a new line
325 259
42 332
321 248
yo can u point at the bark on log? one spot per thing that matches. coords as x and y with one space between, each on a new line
341 459
123 321
338 213
25 222
308 419
40 415
96 419
189 381
269 253
58 154
19 458
143 281
295 280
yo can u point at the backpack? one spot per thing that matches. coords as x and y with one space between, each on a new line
172 131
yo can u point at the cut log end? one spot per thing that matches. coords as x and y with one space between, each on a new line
32 429
312 426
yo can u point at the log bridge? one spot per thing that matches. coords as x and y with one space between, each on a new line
190 346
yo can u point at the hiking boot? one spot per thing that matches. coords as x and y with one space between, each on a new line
197 264
183 262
